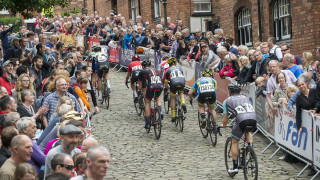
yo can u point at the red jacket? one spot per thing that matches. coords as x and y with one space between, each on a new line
229 71
6 83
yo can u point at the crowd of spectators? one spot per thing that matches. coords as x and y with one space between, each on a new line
43 85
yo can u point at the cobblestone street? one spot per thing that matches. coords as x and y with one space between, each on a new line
187 155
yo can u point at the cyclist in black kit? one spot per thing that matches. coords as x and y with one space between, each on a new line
152 86
174 76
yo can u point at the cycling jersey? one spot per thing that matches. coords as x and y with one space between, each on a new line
135 68
176 78
163 68
152 82
241 107
206 89
103 64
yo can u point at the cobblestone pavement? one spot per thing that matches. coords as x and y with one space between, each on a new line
187 155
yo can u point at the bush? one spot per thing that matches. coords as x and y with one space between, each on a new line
11 20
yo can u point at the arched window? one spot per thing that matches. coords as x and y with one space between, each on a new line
244 27
282 19
134 10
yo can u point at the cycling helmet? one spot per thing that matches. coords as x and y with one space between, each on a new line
140 50
136 58
172 61
97 49
146 63
207 72
165 56
234 88
93 47
103 42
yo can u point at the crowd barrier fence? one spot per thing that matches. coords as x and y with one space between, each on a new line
280 129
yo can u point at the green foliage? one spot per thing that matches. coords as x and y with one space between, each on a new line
27 7
69 13
11 20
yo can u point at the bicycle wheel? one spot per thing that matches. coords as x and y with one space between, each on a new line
177 113
250 168
228 156
212 129
141 101
148 130
166 105
180 116
137 106
204 132
157 123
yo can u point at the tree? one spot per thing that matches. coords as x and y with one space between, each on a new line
26 7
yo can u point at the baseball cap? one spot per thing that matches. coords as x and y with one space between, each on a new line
70 129
7 62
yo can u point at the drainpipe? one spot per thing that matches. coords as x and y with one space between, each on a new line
94 6
139 7
259 16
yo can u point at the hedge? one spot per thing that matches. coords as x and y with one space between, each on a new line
11 20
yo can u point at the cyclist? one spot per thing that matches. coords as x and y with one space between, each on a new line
240 106
133 72
94 65
101 58
205 87
177 82
164 66
152 86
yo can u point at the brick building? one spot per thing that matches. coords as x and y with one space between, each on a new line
248 21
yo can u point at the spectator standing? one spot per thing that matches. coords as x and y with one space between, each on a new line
36 72
6 137
288 61
8 80
275 50
4 38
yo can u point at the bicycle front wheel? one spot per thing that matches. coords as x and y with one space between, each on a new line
212 129
250 169
157 123
228 156
204 132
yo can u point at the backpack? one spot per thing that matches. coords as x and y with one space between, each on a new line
273 56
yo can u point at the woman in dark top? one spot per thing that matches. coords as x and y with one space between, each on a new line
182 50
307 100
90 88
25 107
243 70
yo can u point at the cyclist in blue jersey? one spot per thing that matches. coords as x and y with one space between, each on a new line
205 87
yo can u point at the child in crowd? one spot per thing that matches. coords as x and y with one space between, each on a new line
47 54
261 83
290 92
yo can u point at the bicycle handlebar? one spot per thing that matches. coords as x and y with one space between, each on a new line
219 127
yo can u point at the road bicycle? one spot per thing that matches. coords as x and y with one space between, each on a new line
105 92
140 104
210 126
179 121
247 159
166 103
155 119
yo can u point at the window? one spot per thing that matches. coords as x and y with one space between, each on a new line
134 10
157 9
282 19
200 6
244 27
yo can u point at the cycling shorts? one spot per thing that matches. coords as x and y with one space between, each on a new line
209 97
239 128
154 90
134 76
178 86
103 68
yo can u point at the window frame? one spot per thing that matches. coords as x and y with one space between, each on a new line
281 16
156 8
244 27
133 9
200 2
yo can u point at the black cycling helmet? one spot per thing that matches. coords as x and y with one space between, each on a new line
146 63
172 61
136 58
97 49
234 88
103 42
207 72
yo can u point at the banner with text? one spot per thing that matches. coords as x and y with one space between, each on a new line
125 56
316 142
93 41
286 132
189 72
113 54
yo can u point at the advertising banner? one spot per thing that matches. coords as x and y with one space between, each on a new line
93 41
250 92
189 72
316 142
114 54
198 70
67 39
286 132
125 56
222 90
80 40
